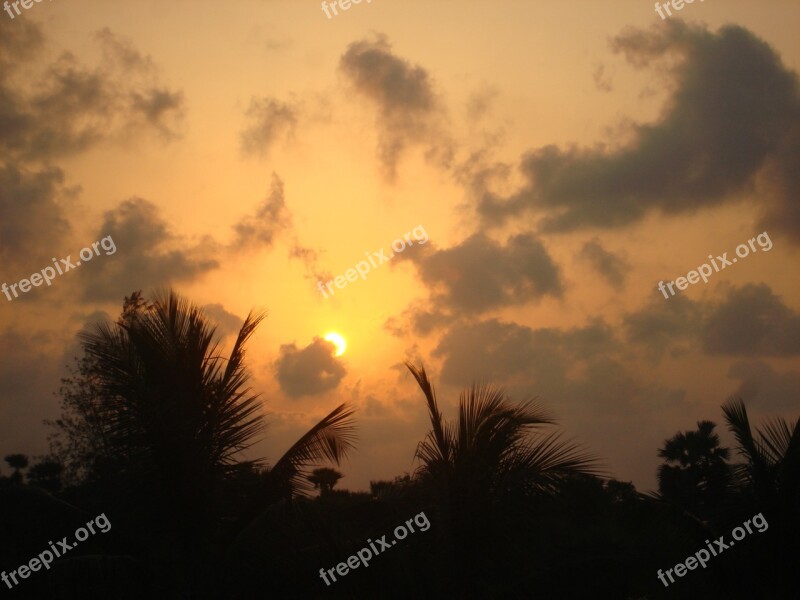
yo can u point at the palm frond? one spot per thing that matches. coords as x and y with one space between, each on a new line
331 439
547 460
439 445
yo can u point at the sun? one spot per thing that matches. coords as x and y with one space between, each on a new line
338 341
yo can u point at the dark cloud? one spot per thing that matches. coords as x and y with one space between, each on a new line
752 321
269 120
33 223
602 80
271 217
663 326
494 350
68 107
583 375
610 266
735 110
310 260
409 113
480 275
761 385
311 370
227 323
156 107
148 254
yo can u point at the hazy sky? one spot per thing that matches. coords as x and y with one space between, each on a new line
561 158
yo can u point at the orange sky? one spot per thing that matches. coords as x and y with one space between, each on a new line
395 115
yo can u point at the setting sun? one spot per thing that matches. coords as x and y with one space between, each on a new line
337 340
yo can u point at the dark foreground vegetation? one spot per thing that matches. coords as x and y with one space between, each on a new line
154 423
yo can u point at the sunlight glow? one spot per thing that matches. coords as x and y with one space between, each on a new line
337 340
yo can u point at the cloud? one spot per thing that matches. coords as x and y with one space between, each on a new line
735 109
148 254
610 266
227 323
750 320
660 327
33 223
494 350
270 119
480 102
271 217
602 80
584 375
763 386
480 275
309 371
68 107
409 112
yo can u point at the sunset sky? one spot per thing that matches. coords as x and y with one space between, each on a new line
561 158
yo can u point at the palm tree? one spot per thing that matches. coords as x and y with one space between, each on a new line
324 479
486 472
489 446
771 473
699 475
47 475
769 481
176 415
16 462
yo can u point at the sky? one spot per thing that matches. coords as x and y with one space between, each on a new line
550 163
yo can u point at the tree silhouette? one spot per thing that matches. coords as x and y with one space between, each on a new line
695 474
161 418
769 482
16 462
486 471
172 412
771 472
46 475
324 479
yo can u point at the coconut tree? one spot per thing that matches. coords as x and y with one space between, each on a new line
695 474
485 472
771 471
491 447
769 481
171 417
16 462
324 479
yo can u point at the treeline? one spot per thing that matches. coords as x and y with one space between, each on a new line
154 422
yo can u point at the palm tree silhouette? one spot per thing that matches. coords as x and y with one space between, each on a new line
771 472
177 415
325 479
16 462
769 481
699 476
485 473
